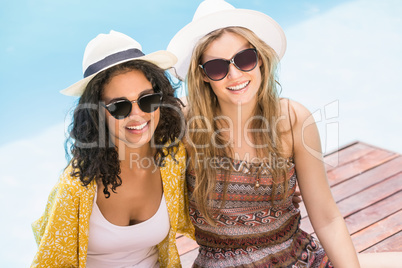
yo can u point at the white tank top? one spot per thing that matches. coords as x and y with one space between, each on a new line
115 246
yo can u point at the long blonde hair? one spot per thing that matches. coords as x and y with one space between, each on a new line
206 145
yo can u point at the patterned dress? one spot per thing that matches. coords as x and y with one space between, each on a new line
250 230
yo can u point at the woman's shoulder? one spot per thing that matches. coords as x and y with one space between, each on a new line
71 182
294 117
303 125
293 111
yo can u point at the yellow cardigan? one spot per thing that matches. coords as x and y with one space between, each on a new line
62 231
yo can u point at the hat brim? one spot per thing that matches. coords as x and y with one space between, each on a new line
263 26
162 59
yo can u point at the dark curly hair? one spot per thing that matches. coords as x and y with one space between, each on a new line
93 155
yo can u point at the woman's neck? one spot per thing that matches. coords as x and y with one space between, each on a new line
235 126
238 115
140 157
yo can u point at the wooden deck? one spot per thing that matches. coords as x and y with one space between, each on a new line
366 183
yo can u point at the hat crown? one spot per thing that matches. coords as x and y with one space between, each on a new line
105 45
211 6
212 15
108 50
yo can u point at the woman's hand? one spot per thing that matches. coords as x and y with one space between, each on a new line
296 200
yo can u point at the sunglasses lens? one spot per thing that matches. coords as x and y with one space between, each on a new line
120 109
216 69
149 103
246 60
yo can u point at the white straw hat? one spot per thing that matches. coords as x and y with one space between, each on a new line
215 14
108 50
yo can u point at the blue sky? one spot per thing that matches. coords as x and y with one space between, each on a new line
343 62
42 43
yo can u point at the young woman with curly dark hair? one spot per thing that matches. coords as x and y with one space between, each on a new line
121 199
102 160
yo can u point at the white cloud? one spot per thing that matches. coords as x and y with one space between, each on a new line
350 54
311 9
30 168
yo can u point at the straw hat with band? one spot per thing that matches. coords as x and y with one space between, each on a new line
212 15
108 50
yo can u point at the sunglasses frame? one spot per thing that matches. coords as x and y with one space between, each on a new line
233 62
131 102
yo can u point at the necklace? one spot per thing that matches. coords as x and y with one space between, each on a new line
257 183
257 179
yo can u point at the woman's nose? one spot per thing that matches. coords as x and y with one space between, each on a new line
135 109
234 72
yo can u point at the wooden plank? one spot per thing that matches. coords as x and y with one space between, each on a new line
346 155
185 244
379 231
370 195
369 161
374 213
306 225
188 258
388 202
303 210
376 147
367 179
343 148
362 181
391 244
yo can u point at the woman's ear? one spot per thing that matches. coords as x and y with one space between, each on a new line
259 60
205 77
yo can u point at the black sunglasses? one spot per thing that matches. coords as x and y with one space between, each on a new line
217 69
147 103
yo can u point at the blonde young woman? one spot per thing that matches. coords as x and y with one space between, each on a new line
248 148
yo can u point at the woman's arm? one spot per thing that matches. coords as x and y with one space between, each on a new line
56 232
324 215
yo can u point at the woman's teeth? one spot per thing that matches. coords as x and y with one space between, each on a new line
138 127
240 86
